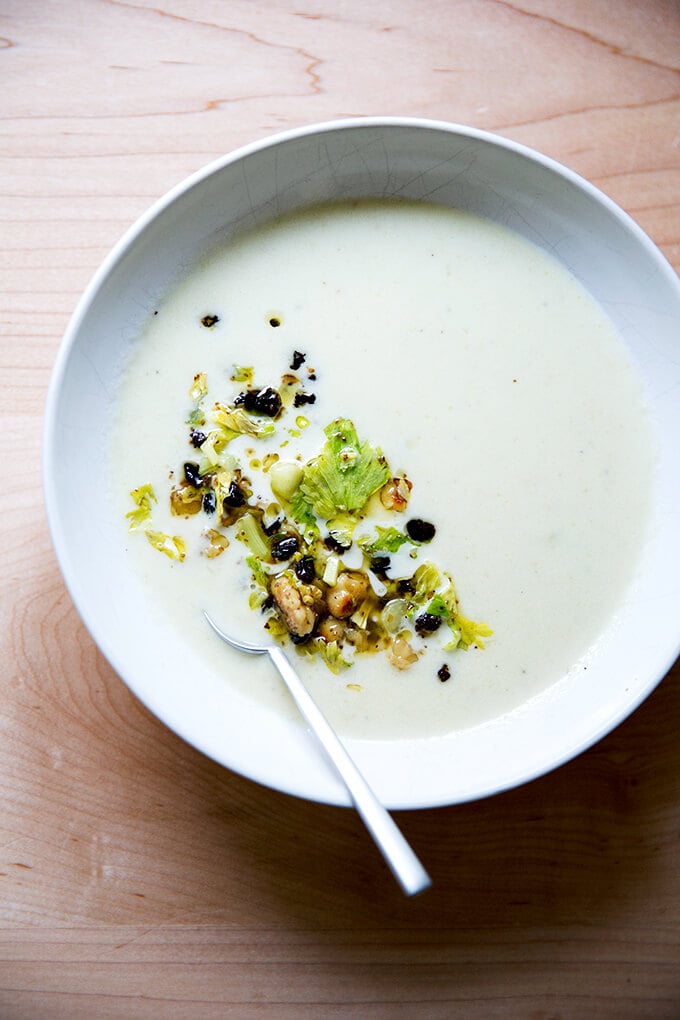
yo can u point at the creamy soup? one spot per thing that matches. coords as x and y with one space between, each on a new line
484 372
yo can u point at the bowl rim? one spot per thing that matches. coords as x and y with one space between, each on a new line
88 298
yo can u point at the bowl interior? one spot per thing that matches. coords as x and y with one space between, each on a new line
454 166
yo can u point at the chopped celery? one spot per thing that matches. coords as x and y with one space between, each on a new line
142 498
196 416
343 477
171 545
234 421
465 632
361 615
251 533
427 579
277 628
330 574
329 651
257 599
388 540
471 633
260 575
199 387
197 391
438 607
242 373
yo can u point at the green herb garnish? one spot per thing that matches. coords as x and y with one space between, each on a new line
343 477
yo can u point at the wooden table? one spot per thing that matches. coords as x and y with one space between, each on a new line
137 878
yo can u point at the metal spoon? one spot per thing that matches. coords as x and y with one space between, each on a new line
401 859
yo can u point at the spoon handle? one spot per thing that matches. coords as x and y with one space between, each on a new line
398 854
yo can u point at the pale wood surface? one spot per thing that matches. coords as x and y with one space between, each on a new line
137 878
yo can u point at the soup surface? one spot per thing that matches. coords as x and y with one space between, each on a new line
483 371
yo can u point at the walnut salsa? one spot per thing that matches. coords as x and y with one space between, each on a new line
329 574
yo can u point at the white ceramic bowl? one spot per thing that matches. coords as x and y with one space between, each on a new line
417 159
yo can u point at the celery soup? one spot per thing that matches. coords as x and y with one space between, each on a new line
482 383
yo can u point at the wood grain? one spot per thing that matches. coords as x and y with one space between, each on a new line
137 878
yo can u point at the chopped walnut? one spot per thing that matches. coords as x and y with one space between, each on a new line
346 595
299 605
401 654
395 494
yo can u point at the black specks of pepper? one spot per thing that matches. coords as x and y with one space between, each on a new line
285 547
304 569
271 529
266 401
301 398
419 530
209 321
235 496
444 673
427 623
192 476
380 564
